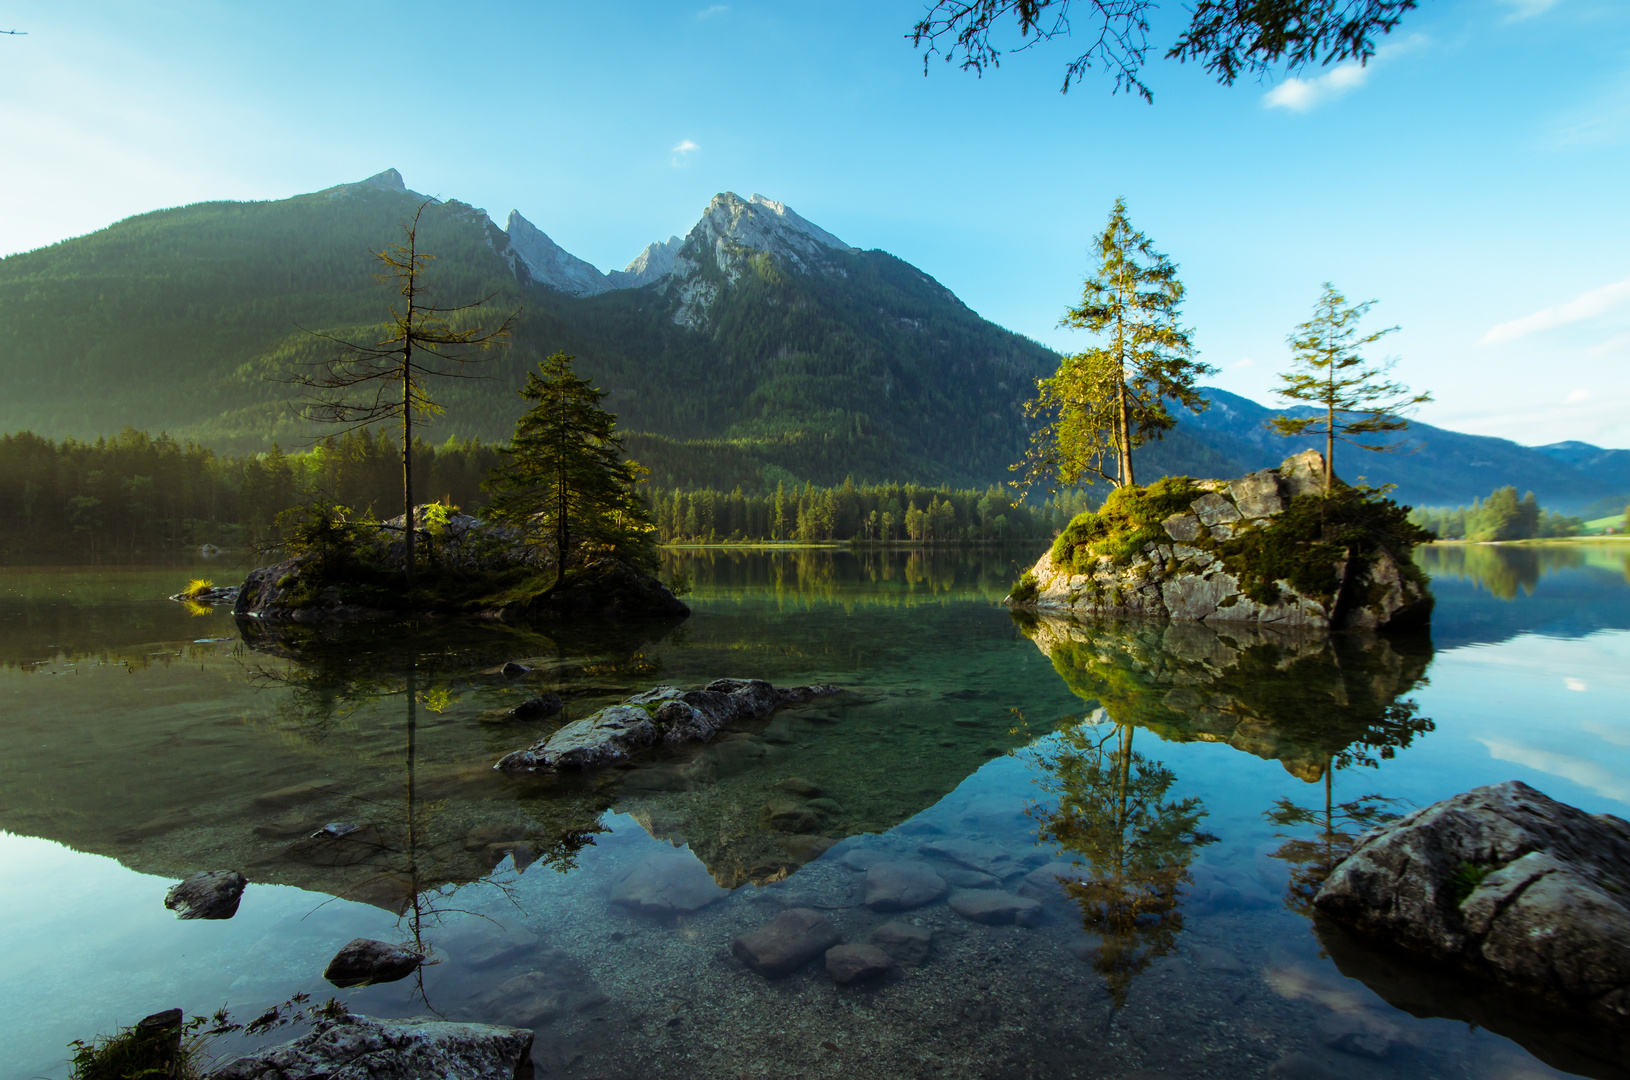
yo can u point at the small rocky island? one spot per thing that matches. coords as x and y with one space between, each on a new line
1273 547
467 566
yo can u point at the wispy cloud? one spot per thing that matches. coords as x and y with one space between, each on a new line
1585 306
1300 95
1573 399
1615 344
683 151
717 9
1583 771
1527 9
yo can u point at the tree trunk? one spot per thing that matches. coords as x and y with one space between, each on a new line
407 453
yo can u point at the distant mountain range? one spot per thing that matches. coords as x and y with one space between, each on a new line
756 348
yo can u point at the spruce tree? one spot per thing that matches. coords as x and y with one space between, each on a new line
565 483
1329 371
1103 402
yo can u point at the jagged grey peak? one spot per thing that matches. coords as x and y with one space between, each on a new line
552 265
656 261
730 230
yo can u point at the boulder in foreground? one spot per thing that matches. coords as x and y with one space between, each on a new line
365 960
363 1048
1504 884
1271 547
666 714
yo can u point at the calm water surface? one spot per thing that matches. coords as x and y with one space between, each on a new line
1169 795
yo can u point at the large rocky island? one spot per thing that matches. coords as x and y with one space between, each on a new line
1273 547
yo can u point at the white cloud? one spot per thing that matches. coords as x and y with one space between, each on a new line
710 12
1583 771
1584 306
1576 397
680 152
1300 95
1527 9
1243 362
1575 684
1616 344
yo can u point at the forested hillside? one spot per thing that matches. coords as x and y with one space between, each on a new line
184 321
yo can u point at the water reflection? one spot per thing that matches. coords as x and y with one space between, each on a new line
1112 817
1309 700
857 577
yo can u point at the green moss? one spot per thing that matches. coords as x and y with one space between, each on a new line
1466 878
1024 590
1129 519
1303 544
135 1053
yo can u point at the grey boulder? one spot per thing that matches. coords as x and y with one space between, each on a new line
995 908
785 943
667 884
363 1048
213 894
900 886
365 960
1502 882
665 713
908 944
856 963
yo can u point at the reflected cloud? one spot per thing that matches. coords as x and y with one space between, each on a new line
1598 778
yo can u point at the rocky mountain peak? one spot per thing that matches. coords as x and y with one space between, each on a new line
764 225
550 264
656 261
389 180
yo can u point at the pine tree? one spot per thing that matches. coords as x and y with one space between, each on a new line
390 379
565 482
1102 403
1329 371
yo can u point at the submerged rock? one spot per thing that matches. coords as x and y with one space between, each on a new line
213 894
666 713
363 1048
541 707
995 908
785 943
907 943
1503 883
900 886
364 961
857 963
671 883
1198 563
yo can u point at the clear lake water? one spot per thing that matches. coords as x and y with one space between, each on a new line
1153 803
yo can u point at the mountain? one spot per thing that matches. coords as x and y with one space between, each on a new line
756 348
1434 466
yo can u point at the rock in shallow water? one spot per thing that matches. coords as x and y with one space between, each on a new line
900 886
995 908
362 1048
856 963
908 944
365 961
213 894
1500 881
785 943
670 883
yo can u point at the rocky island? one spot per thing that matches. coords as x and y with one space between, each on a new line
354 570
1273 547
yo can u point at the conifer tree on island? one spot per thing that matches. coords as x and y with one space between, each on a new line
390 379
1329 370
565 483
1104 402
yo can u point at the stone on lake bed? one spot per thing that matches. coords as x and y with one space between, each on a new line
899 886
986 858
283 798
512 670
862 859
538 708
785 943
856 963
1048 882
907 943
498 833
995 908
667 884
797 785
354 1047
213 894
338 844
365 961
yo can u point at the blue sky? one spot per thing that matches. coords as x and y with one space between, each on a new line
1474 178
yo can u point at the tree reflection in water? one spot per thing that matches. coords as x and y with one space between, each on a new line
1113 817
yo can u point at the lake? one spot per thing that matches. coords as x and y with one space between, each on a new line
1153 803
